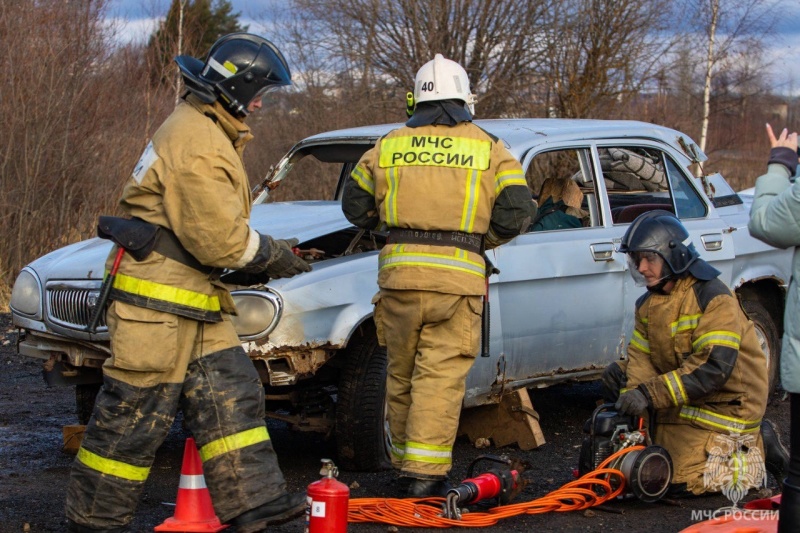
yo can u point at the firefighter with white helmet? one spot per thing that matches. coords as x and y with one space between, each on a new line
172 341
446 190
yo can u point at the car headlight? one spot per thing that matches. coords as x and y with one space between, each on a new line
26 297
258 313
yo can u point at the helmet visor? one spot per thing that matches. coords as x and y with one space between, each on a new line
653 274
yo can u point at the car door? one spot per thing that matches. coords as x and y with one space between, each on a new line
556 305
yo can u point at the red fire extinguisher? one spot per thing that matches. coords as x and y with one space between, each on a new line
327 502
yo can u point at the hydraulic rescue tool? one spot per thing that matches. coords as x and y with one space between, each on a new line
327 502
647 472
498 484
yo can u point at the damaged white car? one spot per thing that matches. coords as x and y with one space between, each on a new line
561 306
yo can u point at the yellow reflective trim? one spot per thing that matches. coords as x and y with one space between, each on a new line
397 258
112 467
428 453
717 338
670 389
390 201
364 180
233 442
435 151
640 342
680 386
508 178
685 323
675 387
398 450
471 196
166 293
718 421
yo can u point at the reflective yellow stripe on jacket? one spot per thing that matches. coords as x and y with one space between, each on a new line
429 453
364 180
640 342
717 338
166 293
685 323
675 388
112 467
458 261
717 421
233 442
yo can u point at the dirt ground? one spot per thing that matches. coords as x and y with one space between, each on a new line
34 470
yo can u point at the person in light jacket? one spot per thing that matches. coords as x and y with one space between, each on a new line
774 219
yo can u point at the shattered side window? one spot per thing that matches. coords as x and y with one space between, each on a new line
562 185
636 181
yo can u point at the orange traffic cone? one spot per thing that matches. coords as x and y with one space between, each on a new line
193 510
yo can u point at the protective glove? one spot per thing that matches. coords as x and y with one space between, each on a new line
612 381
632 402
282 261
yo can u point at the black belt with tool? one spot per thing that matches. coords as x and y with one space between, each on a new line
471 242
139 238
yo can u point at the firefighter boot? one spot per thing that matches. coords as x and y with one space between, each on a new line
776 456
280 510
424 488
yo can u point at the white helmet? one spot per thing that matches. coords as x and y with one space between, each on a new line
443 79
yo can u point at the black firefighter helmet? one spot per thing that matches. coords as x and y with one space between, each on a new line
239 68
661 232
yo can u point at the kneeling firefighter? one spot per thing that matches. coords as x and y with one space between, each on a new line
694 363
172 341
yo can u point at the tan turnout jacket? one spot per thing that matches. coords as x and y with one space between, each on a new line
192 181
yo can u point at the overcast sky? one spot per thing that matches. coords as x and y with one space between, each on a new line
137 18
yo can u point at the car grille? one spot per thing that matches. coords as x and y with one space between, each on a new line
73 307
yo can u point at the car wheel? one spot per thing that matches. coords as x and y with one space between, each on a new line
85 396
767 333
362 441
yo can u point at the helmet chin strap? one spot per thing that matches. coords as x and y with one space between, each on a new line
658 287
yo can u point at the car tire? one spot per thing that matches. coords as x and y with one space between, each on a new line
362 442
767 333
85 396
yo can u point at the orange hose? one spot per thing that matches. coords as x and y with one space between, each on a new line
576 495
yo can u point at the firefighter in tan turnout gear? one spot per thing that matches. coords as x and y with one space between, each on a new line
446 190
172 341
695 364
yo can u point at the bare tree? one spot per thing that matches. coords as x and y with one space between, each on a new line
600 53
378 44
732 29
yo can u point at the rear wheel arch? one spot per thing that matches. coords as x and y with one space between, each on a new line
763 303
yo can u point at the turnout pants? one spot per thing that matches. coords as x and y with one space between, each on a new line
432 340
161 362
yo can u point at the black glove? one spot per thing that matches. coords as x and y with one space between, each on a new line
274 259
612 381
786 157
632 402
282 262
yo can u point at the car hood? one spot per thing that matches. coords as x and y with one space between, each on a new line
284 220
302 220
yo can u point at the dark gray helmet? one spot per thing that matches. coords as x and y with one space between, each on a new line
661 232
239 67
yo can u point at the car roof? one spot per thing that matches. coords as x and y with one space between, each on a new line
522 133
